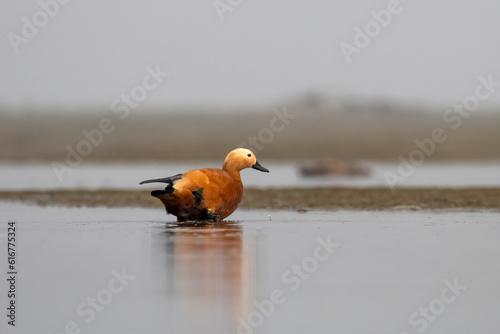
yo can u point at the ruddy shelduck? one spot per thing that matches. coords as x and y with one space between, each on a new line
209 193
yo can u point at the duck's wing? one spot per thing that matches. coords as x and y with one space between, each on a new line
184 193
194 180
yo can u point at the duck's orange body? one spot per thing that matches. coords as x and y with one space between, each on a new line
209 193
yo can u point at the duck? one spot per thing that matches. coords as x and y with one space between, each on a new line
208 193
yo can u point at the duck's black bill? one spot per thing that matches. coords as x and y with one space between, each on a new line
257 166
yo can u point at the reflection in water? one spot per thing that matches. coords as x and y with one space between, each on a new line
209 274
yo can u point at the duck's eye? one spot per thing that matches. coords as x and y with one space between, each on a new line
249 155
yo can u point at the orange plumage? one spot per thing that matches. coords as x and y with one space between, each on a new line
209 193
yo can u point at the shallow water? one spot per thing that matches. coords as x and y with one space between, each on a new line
128 176
360 272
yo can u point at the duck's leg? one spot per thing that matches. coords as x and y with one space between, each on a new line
212 216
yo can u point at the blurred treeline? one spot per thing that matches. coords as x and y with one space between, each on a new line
381 133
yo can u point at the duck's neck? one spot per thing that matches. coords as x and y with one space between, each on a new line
232 170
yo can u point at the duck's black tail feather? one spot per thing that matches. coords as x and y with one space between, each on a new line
169 179
198 197
167 190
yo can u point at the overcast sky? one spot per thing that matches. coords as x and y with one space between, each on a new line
92 51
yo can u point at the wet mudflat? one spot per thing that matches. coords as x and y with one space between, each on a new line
125 270
297 199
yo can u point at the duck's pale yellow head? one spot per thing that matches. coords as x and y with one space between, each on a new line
242 158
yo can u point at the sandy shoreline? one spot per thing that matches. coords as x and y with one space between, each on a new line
299 199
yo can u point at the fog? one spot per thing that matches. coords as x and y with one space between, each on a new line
245 54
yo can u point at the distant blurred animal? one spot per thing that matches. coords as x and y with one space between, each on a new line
325 167
207 194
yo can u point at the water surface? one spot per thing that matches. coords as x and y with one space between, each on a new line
128 176
269 269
